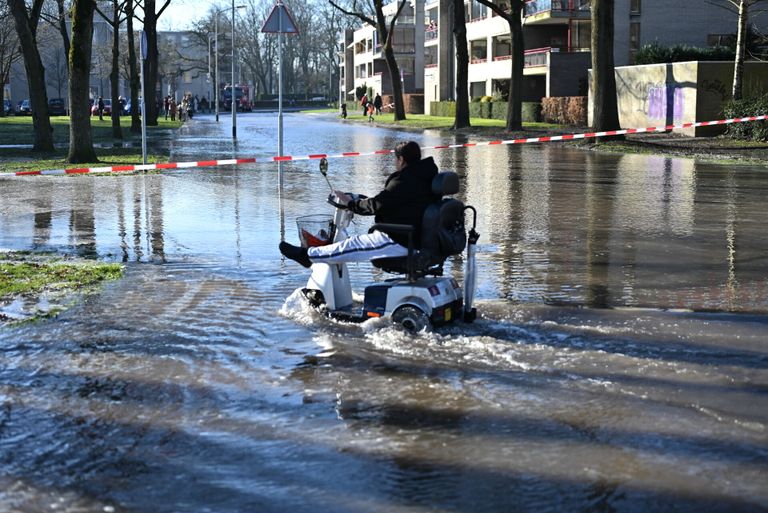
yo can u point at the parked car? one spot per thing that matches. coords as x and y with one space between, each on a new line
24 108
8 108
57 107
107 107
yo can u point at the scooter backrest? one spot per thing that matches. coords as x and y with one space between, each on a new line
442 227
445 183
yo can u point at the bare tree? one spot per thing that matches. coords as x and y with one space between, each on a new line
513 17
742 9
385 32
56 69
151 63
114 19
605 111
27 21
133 69
9 49
462 66
80 138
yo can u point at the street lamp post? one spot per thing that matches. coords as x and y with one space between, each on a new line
234 96
216 66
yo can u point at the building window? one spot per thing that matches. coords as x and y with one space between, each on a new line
478 50
634 37
634 7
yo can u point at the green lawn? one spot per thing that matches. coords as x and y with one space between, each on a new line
17 130
427 121
24 274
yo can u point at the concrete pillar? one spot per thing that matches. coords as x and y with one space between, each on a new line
418 63
446 57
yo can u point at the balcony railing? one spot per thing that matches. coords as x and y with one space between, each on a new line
430 34
538 6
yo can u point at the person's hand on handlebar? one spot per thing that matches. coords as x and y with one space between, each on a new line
342 197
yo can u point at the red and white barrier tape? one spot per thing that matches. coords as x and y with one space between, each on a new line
286 158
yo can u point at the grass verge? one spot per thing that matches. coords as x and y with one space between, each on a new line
18 129
435 122
15 160
32 275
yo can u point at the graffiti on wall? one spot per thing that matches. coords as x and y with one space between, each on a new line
665 102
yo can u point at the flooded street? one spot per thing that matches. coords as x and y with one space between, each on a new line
620 363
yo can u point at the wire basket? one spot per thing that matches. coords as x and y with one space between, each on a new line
315 230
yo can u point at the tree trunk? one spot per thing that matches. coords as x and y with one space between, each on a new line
63 25
741 43
41 121
150 63
389 57
114 74
462 66
515 98
134 72
80 140
605 113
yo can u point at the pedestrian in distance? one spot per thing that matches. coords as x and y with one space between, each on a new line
406 195
167 106
101 108
364 103
343 111
377 104
371 110
172 108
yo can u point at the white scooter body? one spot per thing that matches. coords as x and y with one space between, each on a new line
333 279
434 300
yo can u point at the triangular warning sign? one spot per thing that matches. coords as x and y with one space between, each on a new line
280 21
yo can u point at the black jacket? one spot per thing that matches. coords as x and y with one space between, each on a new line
405 196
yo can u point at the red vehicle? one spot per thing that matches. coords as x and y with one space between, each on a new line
107 107
242 97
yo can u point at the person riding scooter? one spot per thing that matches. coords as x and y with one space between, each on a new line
406 195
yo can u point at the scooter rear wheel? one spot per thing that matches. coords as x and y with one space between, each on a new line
412 318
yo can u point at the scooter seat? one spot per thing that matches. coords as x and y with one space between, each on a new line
423 264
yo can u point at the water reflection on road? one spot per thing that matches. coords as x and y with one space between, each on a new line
192 385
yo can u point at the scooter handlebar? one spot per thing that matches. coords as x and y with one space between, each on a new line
333 200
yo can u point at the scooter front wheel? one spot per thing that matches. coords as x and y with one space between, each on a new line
412 318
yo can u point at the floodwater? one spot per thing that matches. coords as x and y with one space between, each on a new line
620 363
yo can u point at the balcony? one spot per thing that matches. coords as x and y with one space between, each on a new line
556 11
430 34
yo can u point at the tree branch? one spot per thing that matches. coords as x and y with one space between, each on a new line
359 15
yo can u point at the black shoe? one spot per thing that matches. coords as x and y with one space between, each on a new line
295 253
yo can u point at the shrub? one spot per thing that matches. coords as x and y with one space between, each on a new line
486 99
475 99
445 109
655 53
754 130
531 112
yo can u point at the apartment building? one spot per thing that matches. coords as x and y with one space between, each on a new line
557 43
362 56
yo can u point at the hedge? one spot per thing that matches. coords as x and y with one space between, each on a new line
564 110
487 110
655 53
754 130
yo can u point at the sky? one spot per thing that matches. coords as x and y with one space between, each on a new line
180 14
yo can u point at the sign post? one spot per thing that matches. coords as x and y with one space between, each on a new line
143 107
280 22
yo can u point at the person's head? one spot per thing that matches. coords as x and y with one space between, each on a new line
407 153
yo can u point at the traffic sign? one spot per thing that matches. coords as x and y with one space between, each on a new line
280 21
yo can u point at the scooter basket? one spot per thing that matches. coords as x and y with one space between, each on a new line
315 230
